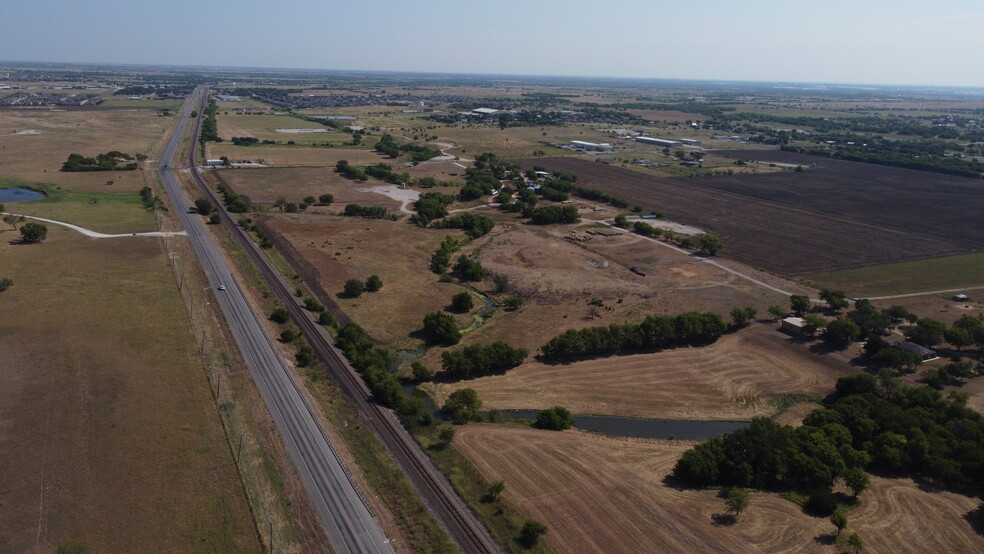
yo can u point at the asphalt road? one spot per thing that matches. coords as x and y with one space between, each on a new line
350 525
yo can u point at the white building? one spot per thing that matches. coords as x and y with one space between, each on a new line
592 147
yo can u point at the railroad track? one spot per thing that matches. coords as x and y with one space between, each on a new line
449 509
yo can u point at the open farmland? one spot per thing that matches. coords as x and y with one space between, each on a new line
109 433
736 378
944 207
601 494
792 239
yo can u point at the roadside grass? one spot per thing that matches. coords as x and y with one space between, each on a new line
386 481
925 275
103 212
422 531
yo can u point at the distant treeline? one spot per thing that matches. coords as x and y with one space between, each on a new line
923 162
654 333
418 153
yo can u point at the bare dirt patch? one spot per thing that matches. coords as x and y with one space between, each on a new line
737 378
599 494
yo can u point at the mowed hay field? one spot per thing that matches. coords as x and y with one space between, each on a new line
602 494
736 378
109 433
38 158
788 239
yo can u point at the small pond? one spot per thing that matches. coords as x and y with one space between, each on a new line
11 195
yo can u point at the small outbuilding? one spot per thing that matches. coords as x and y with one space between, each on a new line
794 326
960 297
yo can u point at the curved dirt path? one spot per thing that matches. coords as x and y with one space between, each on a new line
95 235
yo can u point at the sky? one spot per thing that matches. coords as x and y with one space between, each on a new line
901 42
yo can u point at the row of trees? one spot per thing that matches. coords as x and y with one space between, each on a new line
369 212
388 146
475 225
109 161
481 359
354 288
654 333
867 424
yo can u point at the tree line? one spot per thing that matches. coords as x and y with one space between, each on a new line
109 161
868 424
654 333
481 359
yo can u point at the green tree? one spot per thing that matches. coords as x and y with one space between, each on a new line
305 356
621 221
280 315
420 372
737 501
557 418
446 435
13 220
441 328
309 200
289 335
740 317
5 283
512 303
34 232
799 303
326 199
462 405
839 520
813 323
214 218
495 491
530 534
841 331
777 311
374 283
204 206
462 302
834 298
857 480
280 202
958 337
856 542
710 244
354 288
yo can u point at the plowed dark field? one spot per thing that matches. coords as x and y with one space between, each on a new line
839 215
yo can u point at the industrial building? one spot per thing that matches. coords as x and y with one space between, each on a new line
664 143
592 147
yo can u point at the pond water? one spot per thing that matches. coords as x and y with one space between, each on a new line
11 195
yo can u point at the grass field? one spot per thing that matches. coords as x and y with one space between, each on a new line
38 158
111 436
283 155
600 494
737 378
882 280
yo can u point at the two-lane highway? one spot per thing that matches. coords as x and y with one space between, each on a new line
349 523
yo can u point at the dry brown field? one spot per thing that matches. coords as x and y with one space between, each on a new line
602 494
265 185
332 249
737 378
38 158
110 434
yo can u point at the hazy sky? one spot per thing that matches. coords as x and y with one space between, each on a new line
860 41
